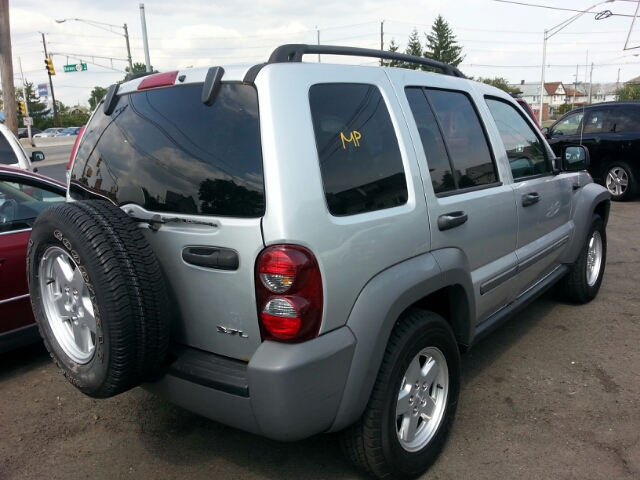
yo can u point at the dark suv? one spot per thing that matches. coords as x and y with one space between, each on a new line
611 132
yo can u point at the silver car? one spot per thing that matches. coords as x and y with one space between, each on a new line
294 248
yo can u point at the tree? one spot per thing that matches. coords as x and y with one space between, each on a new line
441 44
414 47
630 91
37 110
97 94
564 108
393 47
137 68
500 83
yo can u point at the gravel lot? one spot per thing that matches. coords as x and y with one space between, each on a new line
554 393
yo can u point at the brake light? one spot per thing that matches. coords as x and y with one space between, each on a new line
74 150
165 79
289 293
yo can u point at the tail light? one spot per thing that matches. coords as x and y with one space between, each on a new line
289 293
74 150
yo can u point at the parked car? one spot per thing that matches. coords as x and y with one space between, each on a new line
23 195
68 132
13 154
611 132
527 108
293 248
49 132
24 132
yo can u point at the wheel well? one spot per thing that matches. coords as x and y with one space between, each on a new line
450 303
602 210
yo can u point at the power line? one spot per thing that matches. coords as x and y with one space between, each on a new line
557 8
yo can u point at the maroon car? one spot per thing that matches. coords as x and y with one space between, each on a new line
23 195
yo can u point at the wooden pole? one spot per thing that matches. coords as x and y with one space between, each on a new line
6 70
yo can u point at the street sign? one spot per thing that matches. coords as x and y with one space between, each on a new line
27 121
79 67
43 90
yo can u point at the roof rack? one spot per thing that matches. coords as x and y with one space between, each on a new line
294 52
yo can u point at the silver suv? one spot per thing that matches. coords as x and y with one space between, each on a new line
294 248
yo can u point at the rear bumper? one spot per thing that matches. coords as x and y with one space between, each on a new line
286 392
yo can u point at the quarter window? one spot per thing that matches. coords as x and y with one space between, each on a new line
453 139
358 150
524 149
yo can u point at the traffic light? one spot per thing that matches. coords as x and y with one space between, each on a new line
49 63
23 109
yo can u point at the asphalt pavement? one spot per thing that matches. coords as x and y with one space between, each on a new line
552 394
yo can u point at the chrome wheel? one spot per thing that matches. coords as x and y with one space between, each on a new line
617 181
594 258
67 305
422 399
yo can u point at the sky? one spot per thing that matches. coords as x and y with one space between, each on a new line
499 39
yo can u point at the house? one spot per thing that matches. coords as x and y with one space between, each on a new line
554 95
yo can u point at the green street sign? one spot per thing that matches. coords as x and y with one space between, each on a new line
79 67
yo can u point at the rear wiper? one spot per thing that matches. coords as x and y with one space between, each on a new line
158 220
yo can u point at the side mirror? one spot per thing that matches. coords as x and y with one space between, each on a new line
575 158
545 130
37 156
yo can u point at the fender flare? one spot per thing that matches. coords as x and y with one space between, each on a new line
593 198
377 308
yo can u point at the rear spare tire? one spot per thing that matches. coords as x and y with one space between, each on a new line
98 296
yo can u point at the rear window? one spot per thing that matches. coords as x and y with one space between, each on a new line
181 156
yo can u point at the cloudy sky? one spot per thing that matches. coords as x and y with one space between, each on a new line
499 39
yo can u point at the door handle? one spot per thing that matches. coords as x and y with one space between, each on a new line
211 257
529 199
451 220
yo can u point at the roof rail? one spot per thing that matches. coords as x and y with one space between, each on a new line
294 52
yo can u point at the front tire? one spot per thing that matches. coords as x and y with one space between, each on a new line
582 283
621 182
413 403
98 296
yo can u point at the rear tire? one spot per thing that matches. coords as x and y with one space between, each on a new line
98 296
582 283
411 409
621 182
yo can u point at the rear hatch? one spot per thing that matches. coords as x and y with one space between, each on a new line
194 173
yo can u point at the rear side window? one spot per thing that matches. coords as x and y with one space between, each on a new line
453 139
7 155
166 147
359 155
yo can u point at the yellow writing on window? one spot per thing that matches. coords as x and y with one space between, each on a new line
354 137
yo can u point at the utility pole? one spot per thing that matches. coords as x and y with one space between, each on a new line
6 70
56 120
126 37
575 86
318 31
381 40
590 82
145 40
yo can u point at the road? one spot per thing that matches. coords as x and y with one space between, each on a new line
553 393
55 161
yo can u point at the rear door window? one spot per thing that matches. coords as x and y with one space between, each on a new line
358 150
453 139
180 155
